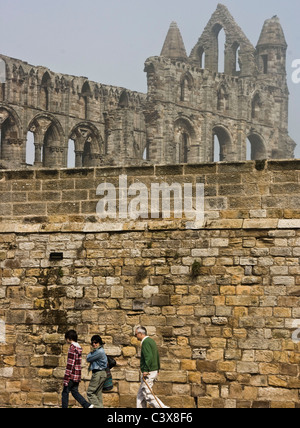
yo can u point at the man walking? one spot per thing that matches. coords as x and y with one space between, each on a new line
150 366
73 372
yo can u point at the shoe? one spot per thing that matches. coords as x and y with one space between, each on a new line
91 406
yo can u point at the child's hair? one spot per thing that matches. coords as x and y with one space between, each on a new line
97 339
71 335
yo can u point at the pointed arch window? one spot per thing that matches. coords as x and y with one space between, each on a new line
45 86
221 51
185 87
256 149
184 138
221 147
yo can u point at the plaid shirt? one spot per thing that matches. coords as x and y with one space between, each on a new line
73 369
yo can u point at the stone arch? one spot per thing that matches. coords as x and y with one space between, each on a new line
218 35
88 143
257 146
184 138
50 150
224 142
12 141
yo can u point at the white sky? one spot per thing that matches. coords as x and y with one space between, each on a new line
109 41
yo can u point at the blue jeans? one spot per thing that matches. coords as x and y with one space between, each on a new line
73 388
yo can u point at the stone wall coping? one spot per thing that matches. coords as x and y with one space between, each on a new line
261 224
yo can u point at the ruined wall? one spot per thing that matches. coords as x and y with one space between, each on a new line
222 301
195 100
105 122
194 111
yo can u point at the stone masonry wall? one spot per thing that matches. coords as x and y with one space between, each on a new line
222 301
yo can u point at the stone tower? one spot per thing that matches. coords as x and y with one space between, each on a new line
194 111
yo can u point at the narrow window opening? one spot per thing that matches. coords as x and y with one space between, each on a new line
30 149
221 51
71 154
216 154
265 63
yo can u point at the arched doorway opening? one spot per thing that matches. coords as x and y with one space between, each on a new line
221 144
256 149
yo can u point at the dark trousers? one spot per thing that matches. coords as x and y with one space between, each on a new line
73 388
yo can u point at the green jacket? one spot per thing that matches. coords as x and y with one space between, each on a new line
149 356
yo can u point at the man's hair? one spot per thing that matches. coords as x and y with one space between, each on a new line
71 335
141 329
97 339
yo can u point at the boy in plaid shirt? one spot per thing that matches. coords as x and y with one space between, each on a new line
73 372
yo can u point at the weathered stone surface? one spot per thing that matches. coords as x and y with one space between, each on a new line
221 299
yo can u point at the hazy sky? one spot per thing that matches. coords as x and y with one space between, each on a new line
109 41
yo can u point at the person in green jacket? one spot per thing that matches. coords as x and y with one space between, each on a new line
150 366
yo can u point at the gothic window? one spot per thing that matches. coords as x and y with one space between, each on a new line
184 147
255 148
185 87
221 144
221 51
88 146
45 88
184 137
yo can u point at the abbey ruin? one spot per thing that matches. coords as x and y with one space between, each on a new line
188 103
220 298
